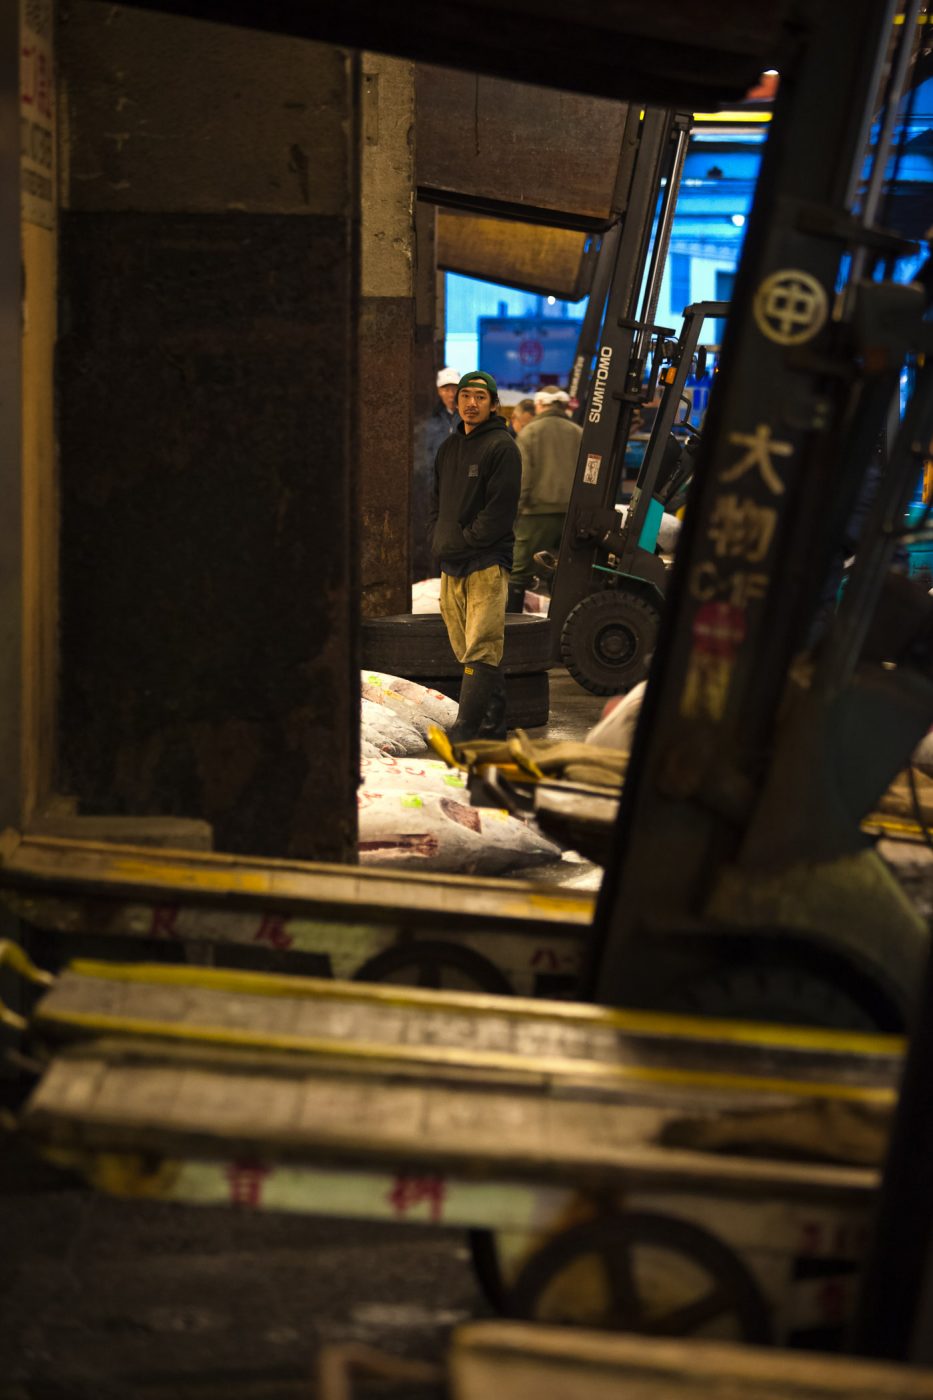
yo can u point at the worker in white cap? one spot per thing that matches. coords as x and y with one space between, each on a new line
443 421
549 446
430 431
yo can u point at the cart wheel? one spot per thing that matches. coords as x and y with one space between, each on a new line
608 639
642 1272
485 1258
447 966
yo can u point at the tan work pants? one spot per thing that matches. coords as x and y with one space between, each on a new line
473 609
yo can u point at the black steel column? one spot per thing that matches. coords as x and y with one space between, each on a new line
588 338
772 430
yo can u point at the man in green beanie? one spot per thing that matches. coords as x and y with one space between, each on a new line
477 480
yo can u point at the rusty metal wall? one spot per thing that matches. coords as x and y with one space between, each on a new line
549 261
206 378
504 146
386 326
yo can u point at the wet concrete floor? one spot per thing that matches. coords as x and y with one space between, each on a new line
103 1299
574 710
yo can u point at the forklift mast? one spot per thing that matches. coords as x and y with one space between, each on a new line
663 475
633 203
588 339
727 809
658 140
609 635
761 746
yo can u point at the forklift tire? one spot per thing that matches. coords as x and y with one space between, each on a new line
415 645
784 994
608 640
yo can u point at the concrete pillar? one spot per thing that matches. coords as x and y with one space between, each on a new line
11 480
427 361
38 133
28 249
207 414
386 332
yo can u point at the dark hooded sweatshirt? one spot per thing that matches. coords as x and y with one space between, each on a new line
477 481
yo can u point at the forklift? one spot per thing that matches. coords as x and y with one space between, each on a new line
607 636
608 581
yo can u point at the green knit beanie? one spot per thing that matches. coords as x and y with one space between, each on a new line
486 379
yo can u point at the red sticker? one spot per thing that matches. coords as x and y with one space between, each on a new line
246 1182
272 930
164 919
718 630
410 1191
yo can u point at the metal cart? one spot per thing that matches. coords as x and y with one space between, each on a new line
326 920
656 1173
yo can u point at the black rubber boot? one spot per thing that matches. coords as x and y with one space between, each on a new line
515 603
493 725
476 691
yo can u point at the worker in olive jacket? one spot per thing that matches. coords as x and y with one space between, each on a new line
550 445
477 479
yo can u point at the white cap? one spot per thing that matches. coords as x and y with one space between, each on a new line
552 395
448 376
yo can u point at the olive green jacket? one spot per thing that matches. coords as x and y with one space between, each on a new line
549 446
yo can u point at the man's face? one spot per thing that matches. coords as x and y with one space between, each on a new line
447 394
519 419
475 404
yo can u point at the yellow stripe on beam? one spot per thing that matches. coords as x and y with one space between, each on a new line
480 1059
804 1038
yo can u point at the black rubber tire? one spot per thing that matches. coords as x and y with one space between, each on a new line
772 994
527 697
427 959
613 1238
608 640
415 645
